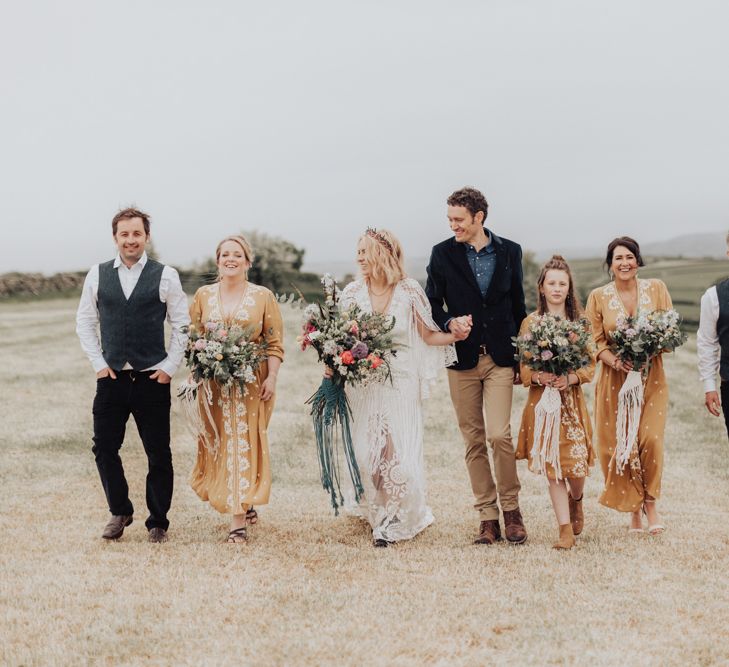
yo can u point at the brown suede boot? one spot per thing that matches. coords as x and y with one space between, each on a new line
566 537
577 518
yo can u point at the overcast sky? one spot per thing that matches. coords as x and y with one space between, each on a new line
312 120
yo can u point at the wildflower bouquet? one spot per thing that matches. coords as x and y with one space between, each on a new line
223 354
638 340
356 346
220 354
552 344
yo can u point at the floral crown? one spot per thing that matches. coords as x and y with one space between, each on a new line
380 238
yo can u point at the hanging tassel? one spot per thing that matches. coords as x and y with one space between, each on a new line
630 402
196 421
547 418
330 413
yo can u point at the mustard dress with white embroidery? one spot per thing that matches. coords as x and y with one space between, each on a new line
233 470
625 492
576 456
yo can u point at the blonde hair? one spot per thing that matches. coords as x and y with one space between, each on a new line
245 246
384 254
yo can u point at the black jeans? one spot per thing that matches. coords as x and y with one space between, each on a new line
725 403
149 402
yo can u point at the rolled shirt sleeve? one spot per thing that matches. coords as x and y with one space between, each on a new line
178 316
87 320
707 340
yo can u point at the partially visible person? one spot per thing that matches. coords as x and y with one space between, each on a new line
637 488
120 322
712 346
233 469
556 295
475 287
387 418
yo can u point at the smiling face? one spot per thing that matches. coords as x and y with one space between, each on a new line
232 261
624 265
556 287
131 240
365 268
466 227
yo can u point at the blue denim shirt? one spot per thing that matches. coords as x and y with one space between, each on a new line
483 265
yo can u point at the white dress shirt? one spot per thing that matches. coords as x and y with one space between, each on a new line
170 292
707 339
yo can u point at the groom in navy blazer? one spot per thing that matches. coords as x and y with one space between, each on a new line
475 286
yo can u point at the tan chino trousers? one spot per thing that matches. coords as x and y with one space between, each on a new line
487 388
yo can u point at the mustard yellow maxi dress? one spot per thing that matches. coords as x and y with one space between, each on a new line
642 477
576 455
233 470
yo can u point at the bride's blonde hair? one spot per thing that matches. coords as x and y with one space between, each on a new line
384 254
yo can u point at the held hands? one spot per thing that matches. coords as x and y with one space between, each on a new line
461 326
713 402
559 382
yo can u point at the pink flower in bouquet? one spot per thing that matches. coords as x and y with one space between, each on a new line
200 344
309 327
546 355
211 326
630 332
374 360
353 328
223 334
347 358
572 337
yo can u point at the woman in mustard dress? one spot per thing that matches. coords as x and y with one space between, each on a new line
232 471
636 488
556 295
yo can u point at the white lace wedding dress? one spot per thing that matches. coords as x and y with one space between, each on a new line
387 424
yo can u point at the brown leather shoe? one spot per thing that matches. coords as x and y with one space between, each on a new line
157 535
115 528
488 532
577 518
514 527
566 538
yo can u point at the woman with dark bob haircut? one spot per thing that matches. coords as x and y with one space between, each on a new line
636 488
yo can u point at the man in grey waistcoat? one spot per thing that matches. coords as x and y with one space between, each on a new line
120 322
712 346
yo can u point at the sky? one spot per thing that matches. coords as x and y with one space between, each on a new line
312 120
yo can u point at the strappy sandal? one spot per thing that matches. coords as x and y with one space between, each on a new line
657 528
252 516
237 536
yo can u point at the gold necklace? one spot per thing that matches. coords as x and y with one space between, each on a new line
381 293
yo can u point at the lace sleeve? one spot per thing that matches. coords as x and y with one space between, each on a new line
429 360
348 296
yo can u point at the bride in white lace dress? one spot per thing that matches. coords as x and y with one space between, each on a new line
387 424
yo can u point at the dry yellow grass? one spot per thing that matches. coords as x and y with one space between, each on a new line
308 588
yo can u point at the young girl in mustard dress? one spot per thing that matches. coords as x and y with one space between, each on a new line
556 295
232 471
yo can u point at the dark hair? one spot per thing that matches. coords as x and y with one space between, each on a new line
471 199
572 304
128 214
626 242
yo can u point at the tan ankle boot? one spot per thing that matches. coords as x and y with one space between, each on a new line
577 518
566 537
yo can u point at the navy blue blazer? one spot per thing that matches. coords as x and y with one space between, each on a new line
453 291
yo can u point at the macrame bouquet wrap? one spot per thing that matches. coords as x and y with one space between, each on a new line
552 344
357 347
638 340
222 355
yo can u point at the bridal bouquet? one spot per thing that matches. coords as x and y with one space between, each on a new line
222 354
357 347
552 344
638 339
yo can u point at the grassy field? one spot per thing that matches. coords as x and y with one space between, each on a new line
308 588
